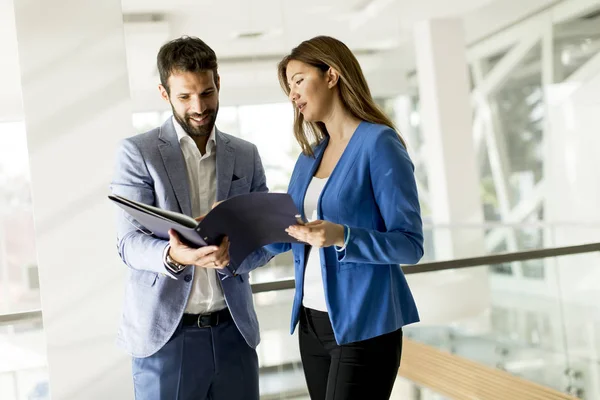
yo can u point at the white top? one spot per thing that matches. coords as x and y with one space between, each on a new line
206 295
314 291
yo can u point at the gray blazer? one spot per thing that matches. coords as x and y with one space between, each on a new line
150 168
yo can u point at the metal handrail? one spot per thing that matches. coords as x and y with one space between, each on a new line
432 266
24 316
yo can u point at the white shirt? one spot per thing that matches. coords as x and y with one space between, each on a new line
207 294
314 291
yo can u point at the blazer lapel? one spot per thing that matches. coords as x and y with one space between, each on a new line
172 157
313 164
225 163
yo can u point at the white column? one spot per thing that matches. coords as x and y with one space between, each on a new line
447 131
10 101
10 109
452 171
77 106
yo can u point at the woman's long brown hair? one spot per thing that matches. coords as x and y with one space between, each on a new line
324 52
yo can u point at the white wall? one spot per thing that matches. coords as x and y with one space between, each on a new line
10 102
77 106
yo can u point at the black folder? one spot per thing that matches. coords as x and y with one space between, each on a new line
251 221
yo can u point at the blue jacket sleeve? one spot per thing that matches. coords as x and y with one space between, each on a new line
278 248
395 191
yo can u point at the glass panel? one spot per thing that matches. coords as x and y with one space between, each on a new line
517 110
228 120
407 390
489 63
575 43
281 375
544 327
270 128
489 198
23 368
451 242
19 283
582 375
577 278
280 267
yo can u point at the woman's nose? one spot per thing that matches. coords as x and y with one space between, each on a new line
293 95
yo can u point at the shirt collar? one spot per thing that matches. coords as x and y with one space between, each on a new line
181 133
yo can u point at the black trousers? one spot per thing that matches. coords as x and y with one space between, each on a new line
360 370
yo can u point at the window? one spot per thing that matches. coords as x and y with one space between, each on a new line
17 249
23 369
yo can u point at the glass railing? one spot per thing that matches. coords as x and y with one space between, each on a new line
407 390
23 366
545 329
281 375
532 313
462 241
542 326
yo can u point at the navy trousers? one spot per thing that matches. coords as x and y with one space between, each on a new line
212 363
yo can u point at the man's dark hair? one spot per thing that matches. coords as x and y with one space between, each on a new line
186 54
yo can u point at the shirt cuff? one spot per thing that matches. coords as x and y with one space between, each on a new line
346 238
169 273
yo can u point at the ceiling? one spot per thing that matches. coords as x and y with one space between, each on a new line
251 36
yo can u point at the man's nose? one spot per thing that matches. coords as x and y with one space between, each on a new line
198 106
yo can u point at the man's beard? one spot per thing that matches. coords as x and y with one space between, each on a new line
198 131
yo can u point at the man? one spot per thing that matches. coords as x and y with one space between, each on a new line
192 330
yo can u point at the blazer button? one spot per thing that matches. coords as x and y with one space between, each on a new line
187 278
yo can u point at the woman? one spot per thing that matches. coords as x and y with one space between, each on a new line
356 185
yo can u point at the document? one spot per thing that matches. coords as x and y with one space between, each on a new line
251 221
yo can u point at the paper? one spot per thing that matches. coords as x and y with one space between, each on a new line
251 221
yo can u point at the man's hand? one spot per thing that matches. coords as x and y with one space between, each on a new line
318 233
216 257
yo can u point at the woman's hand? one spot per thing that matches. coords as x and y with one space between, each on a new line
318 233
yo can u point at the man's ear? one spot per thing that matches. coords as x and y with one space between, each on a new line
332 77
218 83
163 92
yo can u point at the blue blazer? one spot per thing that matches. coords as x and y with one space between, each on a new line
372 190
151 169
